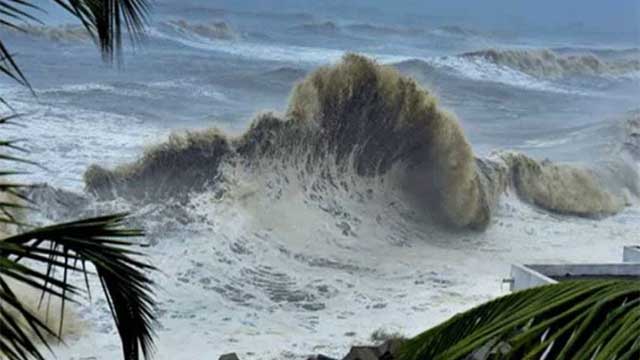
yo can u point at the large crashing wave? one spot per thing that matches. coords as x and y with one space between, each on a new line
456 30
326 28
549 64
77 33
381 30
363 120
210 31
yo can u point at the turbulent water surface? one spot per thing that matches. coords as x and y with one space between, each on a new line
305 180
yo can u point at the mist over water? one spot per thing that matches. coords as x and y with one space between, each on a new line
298 198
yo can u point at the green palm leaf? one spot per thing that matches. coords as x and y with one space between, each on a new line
67 247
590 319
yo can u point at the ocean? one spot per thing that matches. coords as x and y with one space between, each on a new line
307 179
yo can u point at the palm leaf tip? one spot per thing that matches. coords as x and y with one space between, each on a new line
123 277
105 20
595 319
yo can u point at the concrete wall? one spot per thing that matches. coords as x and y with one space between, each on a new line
523 277
590 270
526 276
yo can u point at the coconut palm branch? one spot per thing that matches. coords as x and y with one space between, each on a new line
583 319
33 257
12 199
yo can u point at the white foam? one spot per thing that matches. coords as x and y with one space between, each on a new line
66 140
480 69
252 50
97 87
397 273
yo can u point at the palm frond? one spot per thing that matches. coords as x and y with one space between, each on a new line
67 247
15 342
12 200
589 319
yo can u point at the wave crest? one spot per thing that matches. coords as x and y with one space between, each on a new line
549 64
376 118
184 163
327 27
560 188
61 33
210 31
456 30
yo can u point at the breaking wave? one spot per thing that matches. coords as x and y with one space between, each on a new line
605 53
383 30
285 74
61 33
480 70
331 28
210 31
358 123
322 28
456 31
550 64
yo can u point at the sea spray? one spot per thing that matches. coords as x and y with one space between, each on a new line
184 163
210 31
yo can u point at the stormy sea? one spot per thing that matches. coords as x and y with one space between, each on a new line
307 177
